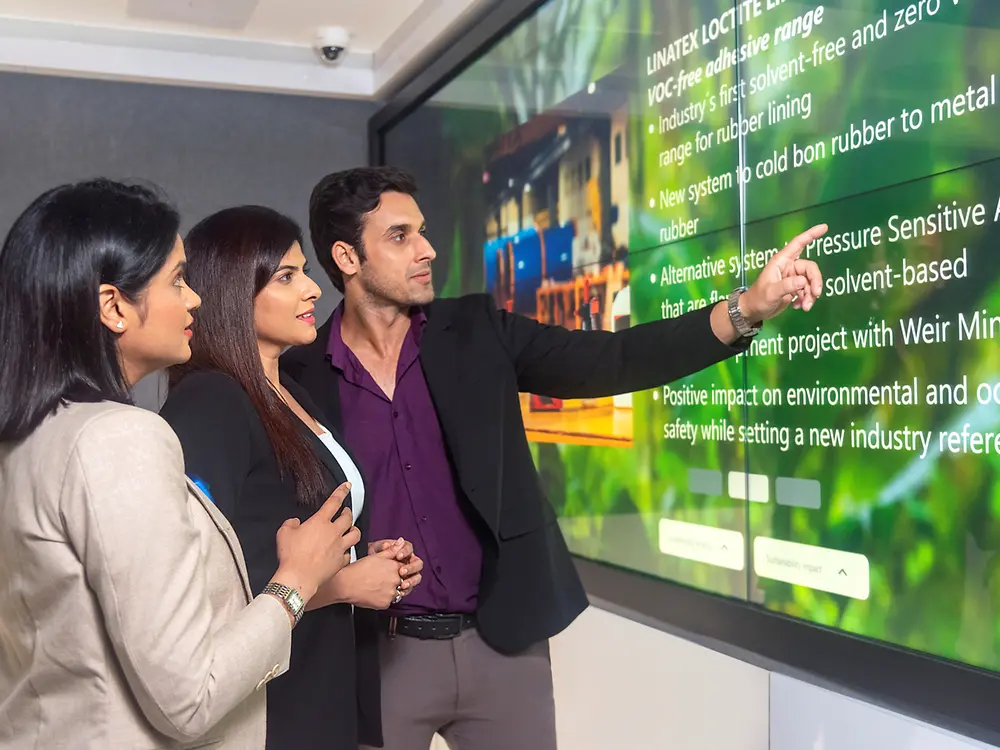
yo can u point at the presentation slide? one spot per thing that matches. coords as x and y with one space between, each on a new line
612 163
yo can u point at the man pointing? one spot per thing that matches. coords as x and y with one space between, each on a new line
425 392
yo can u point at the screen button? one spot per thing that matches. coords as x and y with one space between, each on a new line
752 487
706 544
798 493
844 573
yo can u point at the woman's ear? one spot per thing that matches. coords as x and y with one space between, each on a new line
112 314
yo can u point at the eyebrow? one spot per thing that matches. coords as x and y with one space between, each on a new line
286 268
404 228
181 266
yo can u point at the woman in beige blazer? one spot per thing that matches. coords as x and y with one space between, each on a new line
126 619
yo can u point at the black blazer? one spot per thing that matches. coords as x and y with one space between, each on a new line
330 697
476 359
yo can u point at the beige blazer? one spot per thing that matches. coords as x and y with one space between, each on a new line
126 618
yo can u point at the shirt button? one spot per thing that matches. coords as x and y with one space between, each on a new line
423 518
437 569
409 466
395 414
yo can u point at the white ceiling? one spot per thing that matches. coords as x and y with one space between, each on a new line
252 44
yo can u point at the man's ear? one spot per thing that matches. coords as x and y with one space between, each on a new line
346 258
111 309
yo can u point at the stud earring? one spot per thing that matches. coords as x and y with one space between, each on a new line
120 325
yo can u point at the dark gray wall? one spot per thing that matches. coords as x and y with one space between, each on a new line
207 149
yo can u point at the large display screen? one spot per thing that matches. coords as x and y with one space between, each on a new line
610 163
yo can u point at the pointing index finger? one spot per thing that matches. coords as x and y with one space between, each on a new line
794 248
332 505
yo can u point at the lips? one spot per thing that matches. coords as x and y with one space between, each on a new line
308 317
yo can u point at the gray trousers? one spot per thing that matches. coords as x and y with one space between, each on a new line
474 697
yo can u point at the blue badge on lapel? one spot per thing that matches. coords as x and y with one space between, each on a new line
200 484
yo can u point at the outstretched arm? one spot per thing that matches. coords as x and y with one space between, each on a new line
553 361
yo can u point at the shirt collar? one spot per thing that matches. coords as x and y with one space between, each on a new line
337 351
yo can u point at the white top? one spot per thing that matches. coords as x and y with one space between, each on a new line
352 474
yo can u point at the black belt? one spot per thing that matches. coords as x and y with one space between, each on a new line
429 627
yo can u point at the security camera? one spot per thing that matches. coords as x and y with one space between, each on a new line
332 42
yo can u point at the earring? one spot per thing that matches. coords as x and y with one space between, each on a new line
120 325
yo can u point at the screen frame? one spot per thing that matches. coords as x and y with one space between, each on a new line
493 22
944 693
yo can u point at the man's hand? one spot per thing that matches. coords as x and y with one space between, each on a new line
786 280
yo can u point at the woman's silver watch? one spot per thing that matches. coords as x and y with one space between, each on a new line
291 598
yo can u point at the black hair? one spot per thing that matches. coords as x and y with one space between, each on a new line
232 255
67 243
338 206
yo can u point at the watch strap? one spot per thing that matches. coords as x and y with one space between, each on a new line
743 328
291 598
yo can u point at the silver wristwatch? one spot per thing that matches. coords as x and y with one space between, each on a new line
291 598
743 328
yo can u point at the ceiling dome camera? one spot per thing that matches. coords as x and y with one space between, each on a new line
332 42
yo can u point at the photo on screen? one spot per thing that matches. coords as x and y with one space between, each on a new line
556 247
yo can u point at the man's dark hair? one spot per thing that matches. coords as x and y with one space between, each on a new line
338 206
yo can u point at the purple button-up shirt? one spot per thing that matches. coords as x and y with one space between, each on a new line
410 485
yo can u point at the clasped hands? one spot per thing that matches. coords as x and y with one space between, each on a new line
399 553
389 572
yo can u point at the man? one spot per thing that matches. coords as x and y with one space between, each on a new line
426 394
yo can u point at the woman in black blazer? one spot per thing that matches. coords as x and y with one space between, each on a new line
262 451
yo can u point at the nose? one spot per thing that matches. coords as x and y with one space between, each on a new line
192 300
426 252
312 292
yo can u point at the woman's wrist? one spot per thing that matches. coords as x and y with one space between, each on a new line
333 591
302 583
340 585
